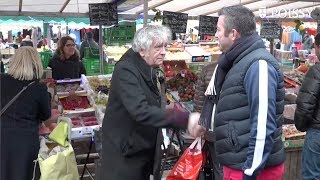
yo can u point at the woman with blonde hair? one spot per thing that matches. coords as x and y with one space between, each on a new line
66 61
25 103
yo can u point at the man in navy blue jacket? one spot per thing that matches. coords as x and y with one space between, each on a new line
245 101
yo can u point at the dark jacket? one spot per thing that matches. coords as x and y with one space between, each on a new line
249 113
132 120
307 113
202 84
71 68
20 125
307 42
26 43
1 67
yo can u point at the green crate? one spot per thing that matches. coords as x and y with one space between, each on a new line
120 35
92 66
195 68
45 56
287 64
108 68
91 53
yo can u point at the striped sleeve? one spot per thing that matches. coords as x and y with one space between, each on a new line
261 86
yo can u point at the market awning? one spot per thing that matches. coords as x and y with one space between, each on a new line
58 8
26 19
130 9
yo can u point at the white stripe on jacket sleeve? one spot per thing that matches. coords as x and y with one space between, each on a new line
262 118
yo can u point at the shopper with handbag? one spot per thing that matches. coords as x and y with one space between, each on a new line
25 103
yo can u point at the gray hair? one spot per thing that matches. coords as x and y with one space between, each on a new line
239 18
151 33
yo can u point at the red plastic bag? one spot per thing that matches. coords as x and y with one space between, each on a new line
189 164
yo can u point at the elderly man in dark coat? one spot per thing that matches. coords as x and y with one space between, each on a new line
135 112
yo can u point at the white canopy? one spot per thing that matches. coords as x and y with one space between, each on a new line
130 9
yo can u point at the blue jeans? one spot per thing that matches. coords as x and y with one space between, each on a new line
311 155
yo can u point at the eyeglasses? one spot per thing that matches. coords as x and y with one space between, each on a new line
70 45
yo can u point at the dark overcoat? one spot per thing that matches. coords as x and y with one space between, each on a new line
133 118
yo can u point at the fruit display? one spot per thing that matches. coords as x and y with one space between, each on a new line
183 82
67 87
211 49
101 87
196 68
115 51
177 45
177 55
87 119
74 102
293 79
172 68
176 52
303 68
186 94
101 99
290 131
99 84
290 83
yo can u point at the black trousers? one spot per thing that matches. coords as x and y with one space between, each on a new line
212 169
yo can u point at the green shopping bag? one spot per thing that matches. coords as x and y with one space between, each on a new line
57 161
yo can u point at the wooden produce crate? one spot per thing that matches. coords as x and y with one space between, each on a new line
293 143
293 164
98 173
292 138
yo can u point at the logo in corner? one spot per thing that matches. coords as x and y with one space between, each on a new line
263 12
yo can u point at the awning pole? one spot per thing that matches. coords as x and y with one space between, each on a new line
101 50
67 28
145 12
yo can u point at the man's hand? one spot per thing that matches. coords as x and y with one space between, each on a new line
194 129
